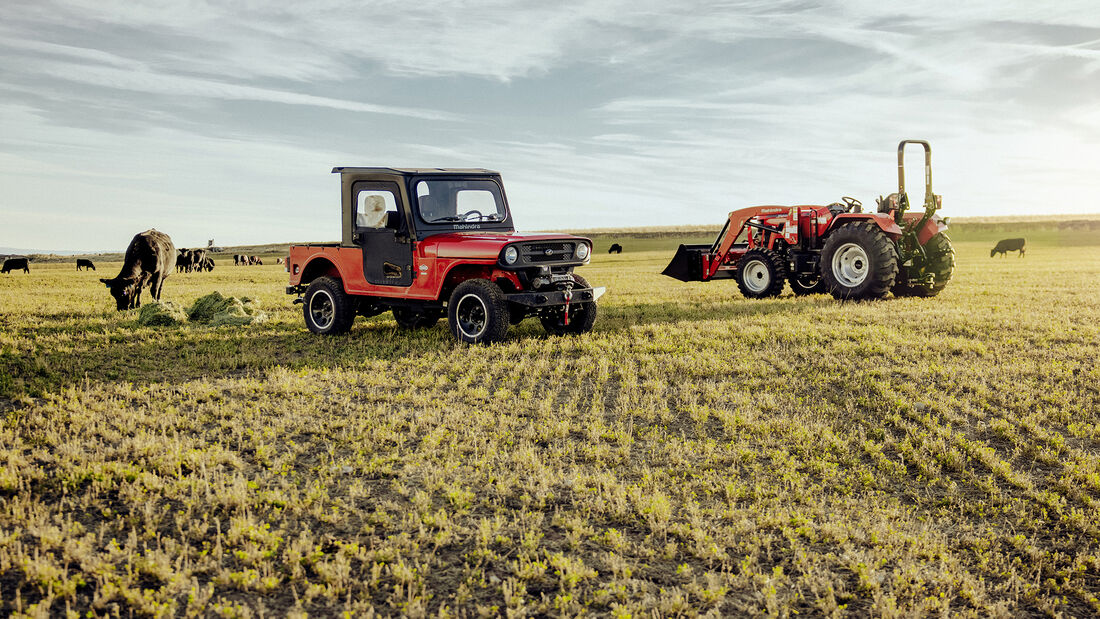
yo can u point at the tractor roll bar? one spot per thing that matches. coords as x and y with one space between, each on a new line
927 167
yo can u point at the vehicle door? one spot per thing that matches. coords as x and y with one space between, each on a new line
381 228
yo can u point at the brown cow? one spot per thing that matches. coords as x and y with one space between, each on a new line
150 257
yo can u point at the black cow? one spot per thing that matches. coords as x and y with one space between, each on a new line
1006 245
14 264
150 257
84 263
236 260
615 249
183 260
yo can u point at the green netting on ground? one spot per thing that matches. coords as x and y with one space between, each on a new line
161 314
213 309
217 310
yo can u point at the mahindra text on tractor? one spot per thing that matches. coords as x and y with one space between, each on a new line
422 243
836 248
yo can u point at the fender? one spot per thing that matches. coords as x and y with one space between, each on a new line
884 221
931 228
319 266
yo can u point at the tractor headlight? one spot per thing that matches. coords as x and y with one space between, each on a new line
511 254
582 251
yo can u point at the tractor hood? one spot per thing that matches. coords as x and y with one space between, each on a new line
483 245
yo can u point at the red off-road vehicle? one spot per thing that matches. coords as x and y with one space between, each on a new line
421 242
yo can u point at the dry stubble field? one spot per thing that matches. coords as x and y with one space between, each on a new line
696 454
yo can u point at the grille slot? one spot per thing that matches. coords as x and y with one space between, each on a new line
541 253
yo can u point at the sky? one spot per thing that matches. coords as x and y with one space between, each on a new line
223 120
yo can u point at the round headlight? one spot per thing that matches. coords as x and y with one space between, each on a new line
511 254
582 251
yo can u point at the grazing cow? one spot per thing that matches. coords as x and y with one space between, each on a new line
14 264
150 257
615 249
198 258
256 260
183 260
1006 245
278 261
236 260
84 263
207 264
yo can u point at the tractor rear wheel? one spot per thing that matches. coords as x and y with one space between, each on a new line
761 273
581 315
940 264
859 261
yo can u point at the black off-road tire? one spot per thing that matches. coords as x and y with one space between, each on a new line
581 315
477 312
859 261
804 284
761 273
327 309
941 264
409 318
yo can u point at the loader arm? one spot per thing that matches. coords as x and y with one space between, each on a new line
735 225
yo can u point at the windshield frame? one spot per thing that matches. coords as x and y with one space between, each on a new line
490 184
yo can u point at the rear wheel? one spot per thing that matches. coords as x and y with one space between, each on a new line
477 312
408 318
761 273
940 264
581 315
327 309
859 261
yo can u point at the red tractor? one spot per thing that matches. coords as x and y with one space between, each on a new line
835 248
429 243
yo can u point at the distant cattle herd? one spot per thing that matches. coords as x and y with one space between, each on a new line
242 260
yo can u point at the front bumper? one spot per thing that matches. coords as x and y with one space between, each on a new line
549 298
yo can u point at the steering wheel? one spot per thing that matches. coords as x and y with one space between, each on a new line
854 206
465 216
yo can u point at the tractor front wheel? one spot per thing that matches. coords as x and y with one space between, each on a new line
761 273
940 264
478 312
859 261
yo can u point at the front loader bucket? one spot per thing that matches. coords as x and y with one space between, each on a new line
687 264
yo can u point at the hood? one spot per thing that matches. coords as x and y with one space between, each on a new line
481 245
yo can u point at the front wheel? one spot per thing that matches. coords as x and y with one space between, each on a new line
859 261
328 310
761 273
582 316
478 313
940 264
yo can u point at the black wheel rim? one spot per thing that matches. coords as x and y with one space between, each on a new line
321 310
472 316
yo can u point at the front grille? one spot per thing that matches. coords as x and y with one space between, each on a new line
540 253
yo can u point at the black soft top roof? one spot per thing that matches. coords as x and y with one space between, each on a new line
413 171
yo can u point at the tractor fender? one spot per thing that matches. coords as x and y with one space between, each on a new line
931 228
882 220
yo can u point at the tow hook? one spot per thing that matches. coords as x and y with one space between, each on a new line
568 297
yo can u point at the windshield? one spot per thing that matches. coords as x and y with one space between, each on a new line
447 200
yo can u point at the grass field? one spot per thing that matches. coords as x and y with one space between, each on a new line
697 453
